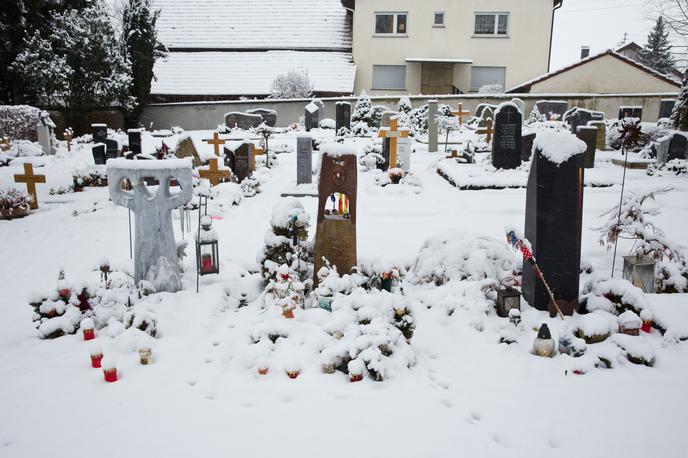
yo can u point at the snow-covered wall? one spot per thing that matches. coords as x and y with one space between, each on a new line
207 115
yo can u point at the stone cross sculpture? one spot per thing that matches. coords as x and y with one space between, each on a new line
155 248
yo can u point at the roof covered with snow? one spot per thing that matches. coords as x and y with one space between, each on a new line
253 24
249 73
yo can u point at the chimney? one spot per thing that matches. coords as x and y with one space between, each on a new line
585 52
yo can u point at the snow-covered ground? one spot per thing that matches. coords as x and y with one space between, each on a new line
467 395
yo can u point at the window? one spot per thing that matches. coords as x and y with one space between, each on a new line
439 19
495 24
391 23
485 76
389 77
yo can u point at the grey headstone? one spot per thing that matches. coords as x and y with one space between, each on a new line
520 104
243 121
601 134
98 151
387 117
433 130
666 107
552 109
242 161
44 139
99 132
527 141
581 117
588 134
506 146
343 115
304 159
311 116
269 116
481 108
486 113
670 148
155 258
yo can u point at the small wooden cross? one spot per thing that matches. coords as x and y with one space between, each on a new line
30 179
68 136
6 144
216 141
393 133
460 113
454 154
214 174
257 151
487 130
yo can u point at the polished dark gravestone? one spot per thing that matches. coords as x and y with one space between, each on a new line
230 160
672 147
98 151
506 146
553 110
269 116
134 142
553 223
242 161
581 117
243 121
99 132
111 148
311 116
588 134
335 238
343 115
666 107
630 112
386 146
304 159
527 146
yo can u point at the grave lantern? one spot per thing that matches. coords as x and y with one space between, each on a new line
508 298
206 248
640 270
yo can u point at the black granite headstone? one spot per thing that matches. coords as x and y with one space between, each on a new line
386 144
678 147
98 151
506 146
588 134
552 109
311 116
242 162
243 121
527 146
112 148
99 132
343 115
581 117
269 116
554 215
134 142
304 160
630 112
666 107
230 160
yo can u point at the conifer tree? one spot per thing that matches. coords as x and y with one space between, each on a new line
680 114
657 52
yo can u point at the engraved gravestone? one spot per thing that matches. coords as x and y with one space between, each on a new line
433 129
98 151
134 142
386 147
677 147
553 223
404 153
269 117
343 115
304 159
243 121
506 146
666 107
335 238
242 161
588 134
155 250
44 135
311 116
111 148
527 145
99 132
581 117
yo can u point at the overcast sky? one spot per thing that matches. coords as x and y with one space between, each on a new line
599 24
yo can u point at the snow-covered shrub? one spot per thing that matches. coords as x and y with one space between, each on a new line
596 326
363 110
89 175
288 234
331 283
459 255
328 124
19 122
670 168
371 156
491 89
613 295
405 105
378 111
418 120
250 187
295 84
14 199
285 290
360 129
536 116
671 276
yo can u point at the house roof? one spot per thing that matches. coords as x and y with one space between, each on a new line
249 73
253 25
525 87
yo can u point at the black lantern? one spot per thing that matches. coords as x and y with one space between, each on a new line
508 298
206 248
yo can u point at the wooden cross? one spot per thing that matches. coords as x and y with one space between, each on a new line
6 144
214 174
487 130
393 133
30 179
460 113
216 141
257 151
68 135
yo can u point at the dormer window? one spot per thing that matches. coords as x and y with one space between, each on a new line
390 23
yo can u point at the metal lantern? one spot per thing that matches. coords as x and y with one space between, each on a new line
507 298
640 270
207 258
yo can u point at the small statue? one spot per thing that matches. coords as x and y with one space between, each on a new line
544 344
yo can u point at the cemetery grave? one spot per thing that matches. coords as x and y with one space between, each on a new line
360 269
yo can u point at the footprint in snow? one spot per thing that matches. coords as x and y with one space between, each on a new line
215 343
553 443
447 402
499 439
473 418
208 360
288 398
191 382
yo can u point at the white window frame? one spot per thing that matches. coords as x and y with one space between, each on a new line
495 33
374 87
434 18
395 25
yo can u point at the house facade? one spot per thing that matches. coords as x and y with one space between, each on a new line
449 46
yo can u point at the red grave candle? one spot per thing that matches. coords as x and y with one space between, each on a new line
206 263
96 360
110 374
89 334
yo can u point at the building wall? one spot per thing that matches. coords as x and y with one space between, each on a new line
207 115
606 75
524 52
